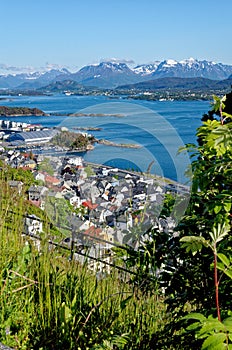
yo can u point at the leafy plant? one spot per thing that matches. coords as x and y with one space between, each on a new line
212 187
216 334
195 243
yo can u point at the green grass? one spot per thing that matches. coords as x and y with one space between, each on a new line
48 302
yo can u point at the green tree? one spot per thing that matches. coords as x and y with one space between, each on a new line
46 166
89 171
190 281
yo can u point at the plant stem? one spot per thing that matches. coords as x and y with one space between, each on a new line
221 116
216 283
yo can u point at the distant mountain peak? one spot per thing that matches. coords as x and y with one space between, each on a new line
170 63
146 69
114 65
192 68
105 74
113 72
188 61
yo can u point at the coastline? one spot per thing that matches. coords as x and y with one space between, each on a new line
16 111
87 128
117 115
113 144
24 115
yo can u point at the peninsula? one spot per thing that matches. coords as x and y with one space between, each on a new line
20 111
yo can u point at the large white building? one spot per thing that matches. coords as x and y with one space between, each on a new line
32 137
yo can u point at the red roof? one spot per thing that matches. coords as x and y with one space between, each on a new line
35 203
26 168
90 205
93 231
113 208
51 179
26 155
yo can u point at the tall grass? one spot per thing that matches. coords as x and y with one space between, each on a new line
48 302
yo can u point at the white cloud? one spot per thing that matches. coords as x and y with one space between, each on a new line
7 69
13 69
117 60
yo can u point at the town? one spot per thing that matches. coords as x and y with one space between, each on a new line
106 206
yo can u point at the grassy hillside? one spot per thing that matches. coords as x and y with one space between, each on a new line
48 302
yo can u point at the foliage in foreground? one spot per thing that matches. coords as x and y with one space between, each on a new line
200 282
207 226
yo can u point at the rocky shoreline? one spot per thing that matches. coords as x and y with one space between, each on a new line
79 114
123 145
87 128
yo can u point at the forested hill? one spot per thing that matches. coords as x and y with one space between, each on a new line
20 111
180 83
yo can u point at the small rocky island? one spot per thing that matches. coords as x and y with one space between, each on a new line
87 128
20 111
117 115
123 145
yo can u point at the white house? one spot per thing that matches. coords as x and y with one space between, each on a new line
33 225
77 161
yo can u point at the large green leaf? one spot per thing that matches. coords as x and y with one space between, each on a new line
224 259
217 209
228 324
229 273
195 316
218 233
215 342
209 327
194 326
194 243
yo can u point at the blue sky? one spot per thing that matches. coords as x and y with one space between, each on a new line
74 33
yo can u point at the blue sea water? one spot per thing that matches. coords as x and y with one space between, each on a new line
159 127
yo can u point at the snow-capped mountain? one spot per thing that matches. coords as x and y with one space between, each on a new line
146 69
192 68
38 79
32 80
105 75
112 74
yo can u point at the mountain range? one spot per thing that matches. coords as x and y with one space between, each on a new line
113 74
175 83
32 80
